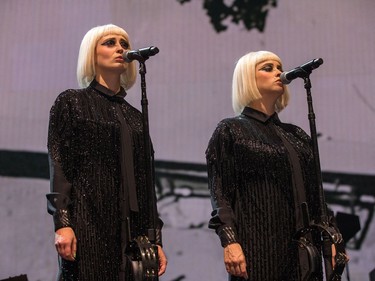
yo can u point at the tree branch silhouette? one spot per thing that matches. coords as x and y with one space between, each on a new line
252 13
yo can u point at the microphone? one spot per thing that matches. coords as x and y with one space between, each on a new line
300 71
140 54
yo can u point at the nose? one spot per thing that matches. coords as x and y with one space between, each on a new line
120 50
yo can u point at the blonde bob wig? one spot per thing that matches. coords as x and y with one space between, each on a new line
86 57
244 86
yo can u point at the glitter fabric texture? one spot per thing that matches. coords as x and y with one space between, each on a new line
251 184
84 145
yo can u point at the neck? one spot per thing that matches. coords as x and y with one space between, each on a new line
111 81
260 105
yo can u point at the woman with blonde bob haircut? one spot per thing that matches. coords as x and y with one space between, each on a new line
86 57
256 164
96 150
244 86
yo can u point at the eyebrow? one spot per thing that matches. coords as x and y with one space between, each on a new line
263 64
269 63
104 38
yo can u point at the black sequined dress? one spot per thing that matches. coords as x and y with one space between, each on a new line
251 179
86 145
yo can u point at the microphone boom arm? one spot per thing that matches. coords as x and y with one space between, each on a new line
302 71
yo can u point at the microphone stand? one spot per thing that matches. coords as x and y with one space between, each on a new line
143 250
329 234
148 155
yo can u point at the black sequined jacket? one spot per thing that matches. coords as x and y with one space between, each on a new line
85 148
251 179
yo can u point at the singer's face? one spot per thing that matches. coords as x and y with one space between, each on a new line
267 76
109 50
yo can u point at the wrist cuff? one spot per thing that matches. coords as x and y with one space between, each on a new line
61 219
227 236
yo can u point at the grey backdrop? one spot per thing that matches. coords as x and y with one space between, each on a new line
188 86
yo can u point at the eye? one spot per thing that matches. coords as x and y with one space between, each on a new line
271 67
267 68
124 44
109 42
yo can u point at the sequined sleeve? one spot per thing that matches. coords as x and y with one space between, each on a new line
221 178
59 131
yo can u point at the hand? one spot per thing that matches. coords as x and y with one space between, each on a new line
66 243
162 261
234 260
333 249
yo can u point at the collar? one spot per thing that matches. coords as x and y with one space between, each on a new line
104 90
260 116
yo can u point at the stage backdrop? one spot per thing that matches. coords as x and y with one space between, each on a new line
188 86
